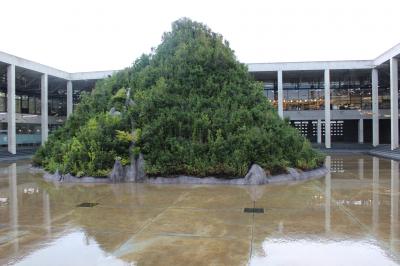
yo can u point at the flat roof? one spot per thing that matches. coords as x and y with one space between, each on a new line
34 66
253 67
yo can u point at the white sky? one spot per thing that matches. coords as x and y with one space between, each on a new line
86 35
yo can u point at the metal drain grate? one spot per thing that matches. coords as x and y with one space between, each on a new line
254 210
87 204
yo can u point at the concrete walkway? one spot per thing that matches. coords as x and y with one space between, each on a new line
386 152
22 153
345 147
382 150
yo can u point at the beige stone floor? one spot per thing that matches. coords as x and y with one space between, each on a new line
354 209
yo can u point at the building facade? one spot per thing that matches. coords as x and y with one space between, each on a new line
328 101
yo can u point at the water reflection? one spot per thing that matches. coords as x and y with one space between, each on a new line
13 199
375 194
65 250
348 217
328 195
322 252
361 168
46 213
394 204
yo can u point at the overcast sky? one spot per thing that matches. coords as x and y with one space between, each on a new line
85 35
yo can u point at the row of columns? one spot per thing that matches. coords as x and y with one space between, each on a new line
44 88
394 111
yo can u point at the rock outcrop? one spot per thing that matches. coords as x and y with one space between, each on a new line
131 173
114 112
118 172
256 176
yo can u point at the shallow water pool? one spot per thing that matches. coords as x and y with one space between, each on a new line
348 217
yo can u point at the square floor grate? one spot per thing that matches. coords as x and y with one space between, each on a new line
254 210
87 204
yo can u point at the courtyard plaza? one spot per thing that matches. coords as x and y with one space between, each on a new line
348 217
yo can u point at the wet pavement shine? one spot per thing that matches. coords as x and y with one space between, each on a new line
348 217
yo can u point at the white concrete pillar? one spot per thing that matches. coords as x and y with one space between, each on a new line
375 194
361 130
319 131
327 89
11 132
44 103
394 204
280 93
394 106
328 195
70 104
13 207
375 108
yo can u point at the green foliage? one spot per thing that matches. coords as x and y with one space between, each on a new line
124 136
197 111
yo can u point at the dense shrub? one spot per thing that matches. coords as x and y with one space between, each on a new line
190 107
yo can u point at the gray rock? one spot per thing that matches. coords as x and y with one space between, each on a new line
294 173
58 176
131 171
135 171
256 176
117 174
114 112
140 174
129 101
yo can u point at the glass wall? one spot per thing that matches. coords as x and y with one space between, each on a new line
3 102
271 92
58 106
307 95
384 88
24 104
384 97
351 95
351 90
3 134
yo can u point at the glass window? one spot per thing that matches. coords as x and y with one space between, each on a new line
18 104
3 102
24 104
38 106
32 105
351 93
305 95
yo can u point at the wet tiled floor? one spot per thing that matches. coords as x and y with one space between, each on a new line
348 217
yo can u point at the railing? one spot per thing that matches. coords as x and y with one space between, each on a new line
22 139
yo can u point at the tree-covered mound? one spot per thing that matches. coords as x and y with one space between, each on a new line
189 107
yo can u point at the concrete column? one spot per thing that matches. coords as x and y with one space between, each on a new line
280 93
44 103
13 207
361 130
394 204
319 131
70 103
11 134
327 88
394 106
375 108
375 194
328 195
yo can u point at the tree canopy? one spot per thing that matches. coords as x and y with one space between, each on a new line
190 108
